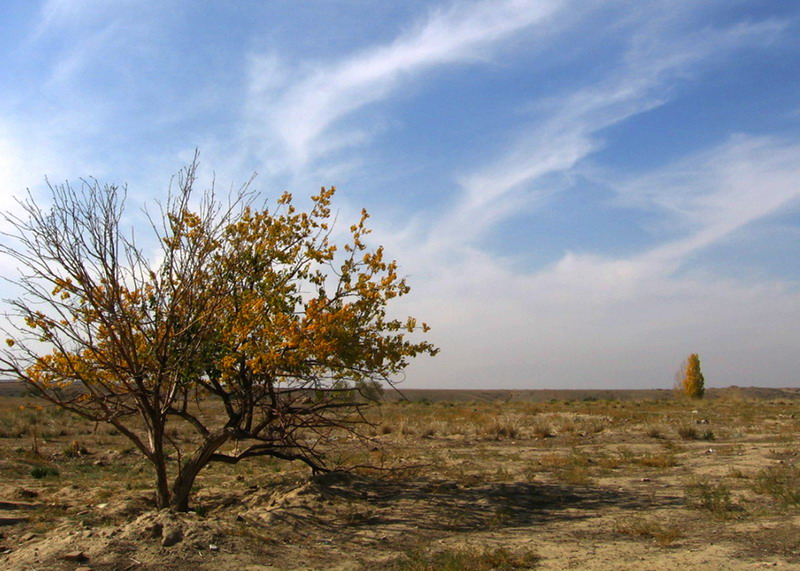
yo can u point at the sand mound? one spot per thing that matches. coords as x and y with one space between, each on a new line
154 539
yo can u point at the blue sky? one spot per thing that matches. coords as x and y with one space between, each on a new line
581 193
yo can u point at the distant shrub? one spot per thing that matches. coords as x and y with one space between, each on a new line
370 390
542 430
40 472
505 427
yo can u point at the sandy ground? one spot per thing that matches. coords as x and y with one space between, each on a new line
609 496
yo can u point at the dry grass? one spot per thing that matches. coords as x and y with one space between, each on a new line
712 497
651 528
781 483
464 560
468 468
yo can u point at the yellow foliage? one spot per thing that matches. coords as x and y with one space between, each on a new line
693 382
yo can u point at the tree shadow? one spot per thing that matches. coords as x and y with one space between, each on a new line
347 506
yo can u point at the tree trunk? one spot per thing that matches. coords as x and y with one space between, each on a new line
155 436
162 478
162 485
182 487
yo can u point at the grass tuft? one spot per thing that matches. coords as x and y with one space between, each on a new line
649 528
781 483
465 560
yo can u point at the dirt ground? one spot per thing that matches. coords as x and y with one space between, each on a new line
476 484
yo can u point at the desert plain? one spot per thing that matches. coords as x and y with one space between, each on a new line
472 480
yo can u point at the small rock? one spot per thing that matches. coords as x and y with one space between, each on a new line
213 547
74 556
171 536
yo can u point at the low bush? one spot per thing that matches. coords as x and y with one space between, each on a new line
782 483
702 494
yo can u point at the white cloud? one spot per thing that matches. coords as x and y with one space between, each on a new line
12 171
302 113
89 37
712 195
585 319
21 168
25 160
571 133
573 322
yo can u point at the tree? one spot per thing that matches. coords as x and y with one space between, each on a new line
250 326
690 379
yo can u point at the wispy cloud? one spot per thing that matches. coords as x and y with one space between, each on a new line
573 130
85 14
302 112
86 38
712 195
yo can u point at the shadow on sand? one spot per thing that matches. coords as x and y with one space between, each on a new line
348 506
